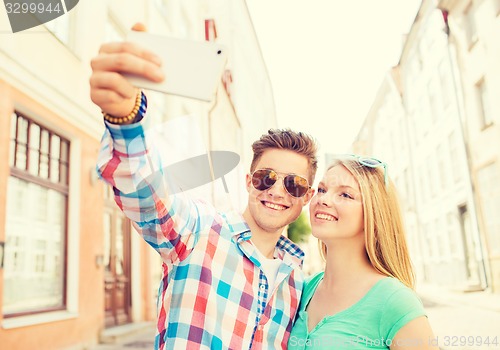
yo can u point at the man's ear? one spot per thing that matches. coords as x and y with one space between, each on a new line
307 197
248 180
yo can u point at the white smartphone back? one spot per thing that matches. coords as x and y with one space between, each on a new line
192 68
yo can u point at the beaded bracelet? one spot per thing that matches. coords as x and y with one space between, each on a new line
128 118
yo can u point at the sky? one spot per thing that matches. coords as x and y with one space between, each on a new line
327 58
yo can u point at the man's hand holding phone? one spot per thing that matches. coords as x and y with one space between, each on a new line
174 66
191 68
109 89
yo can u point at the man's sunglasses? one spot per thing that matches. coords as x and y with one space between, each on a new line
295 185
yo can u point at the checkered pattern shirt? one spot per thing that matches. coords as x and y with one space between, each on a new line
213 294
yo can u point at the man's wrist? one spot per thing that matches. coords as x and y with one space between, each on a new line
135 116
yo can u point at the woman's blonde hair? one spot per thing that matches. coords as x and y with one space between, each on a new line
385 240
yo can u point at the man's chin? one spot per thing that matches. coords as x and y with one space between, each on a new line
273 226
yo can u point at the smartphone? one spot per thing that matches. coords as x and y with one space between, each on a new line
192 68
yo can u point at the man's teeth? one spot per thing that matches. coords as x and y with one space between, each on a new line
325 217
274 206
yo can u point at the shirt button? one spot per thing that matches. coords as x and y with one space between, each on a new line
262 287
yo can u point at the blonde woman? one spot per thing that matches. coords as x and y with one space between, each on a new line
364 299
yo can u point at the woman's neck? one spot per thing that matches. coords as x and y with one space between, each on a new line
347 264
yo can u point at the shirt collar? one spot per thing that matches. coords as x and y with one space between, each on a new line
286 250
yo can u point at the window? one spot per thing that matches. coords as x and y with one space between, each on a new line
37 196
489 192
62 28
162 5
432 176
485 111
456 162
453 234
425 124
430 241
113 31
423 192
442 167
409 188
446 83
470 25
441 239
402 141
435 110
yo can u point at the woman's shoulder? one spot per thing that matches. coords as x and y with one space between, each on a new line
395 290
401 305
392 283
392 286
397 298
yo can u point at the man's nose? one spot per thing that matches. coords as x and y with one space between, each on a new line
278 189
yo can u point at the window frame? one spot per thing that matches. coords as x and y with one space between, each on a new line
484 104
55 24
24 174
471 30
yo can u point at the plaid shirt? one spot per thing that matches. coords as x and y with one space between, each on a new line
213 294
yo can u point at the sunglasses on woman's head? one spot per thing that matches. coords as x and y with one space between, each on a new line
296 185
369 162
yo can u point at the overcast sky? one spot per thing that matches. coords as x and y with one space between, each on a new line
327 58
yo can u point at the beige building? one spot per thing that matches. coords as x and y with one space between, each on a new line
435 124
72 267
474 28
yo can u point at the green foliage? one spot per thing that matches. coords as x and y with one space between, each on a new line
300 229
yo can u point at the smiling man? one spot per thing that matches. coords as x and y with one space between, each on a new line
230 280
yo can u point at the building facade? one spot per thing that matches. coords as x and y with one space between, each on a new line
474 27
72 267
432 138
385 134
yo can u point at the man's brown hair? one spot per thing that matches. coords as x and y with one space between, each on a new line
287 139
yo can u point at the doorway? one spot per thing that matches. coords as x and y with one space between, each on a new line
117 290
469 248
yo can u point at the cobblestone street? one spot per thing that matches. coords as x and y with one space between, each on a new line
463 321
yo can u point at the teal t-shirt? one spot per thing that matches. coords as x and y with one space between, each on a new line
370 323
